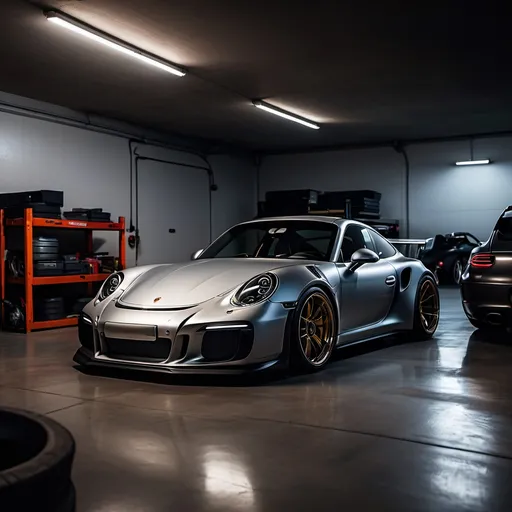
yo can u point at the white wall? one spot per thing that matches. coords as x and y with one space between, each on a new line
235 200
443 197
447 198
93 170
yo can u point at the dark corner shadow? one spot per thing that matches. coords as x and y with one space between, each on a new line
260 378
491 336
486 350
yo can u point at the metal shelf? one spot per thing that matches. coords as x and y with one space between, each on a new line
52 324
41 281
29 223
39 222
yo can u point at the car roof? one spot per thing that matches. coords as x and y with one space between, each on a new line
315 218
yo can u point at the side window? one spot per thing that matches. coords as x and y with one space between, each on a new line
368 240
355 238
382 247
315 240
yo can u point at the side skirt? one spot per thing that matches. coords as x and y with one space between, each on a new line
339 344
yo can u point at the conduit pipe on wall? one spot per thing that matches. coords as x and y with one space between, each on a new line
400 148
211 188
41 115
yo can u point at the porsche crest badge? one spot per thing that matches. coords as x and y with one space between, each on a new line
156 300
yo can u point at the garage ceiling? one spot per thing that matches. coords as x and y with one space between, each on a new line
367 74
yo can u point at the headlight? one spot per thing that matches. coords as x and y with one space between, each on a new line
110 285
256 290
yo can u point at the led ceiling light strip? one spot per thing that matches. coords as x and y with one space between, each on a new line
95 35
286 115
473 162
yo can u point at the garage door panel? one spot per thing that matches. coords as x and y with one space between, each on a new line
172 198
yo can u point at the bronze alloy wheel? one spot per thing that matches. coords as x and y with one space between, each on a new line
429 306
316 329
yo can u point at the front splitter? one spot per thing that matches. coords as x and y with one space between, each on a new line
82 358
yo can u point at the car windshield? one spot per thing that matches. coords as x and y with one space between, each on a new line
276 239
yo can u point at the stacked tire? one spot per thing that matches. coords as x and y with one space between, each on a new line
36 457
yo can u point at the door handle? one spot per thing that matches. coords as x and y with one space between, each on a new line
390 280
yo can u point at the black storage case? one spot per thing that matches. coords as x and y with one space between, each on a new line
94 215
40 210
48 268
290 202
76 267
87 210
45 248
364 199
100 217
49 197
388 228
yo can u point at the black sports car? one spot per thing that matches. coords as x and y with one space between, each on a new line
448 255
486 284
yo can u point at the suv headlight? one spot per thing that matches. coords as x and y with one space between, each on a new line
110 285
257 290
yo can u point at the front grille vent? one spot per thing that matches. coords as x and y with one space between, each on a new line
85 332
156 351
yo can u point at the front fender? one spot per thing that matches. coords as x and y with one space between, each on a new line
294 280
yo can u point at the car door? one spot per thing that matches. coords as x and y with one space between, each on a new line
368 292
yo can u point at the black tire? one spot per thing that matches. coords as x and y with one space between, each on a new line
299 360
36 460
456 272
458 269
420 331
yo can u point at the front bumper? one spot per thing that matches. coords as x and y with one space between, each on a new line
212 338
488 302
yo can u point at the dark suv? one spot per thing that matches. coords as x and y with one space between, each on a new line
486 284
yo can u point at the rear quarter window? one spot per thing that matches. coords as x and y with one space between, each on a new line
502 237
382 247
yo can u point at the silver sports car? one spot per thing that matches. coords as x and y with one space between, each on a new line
278 290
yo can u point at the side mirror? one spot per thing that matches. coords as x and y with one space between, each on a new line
196 254
360 257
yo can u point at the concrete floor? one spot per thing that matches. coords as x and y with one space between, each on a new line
387 426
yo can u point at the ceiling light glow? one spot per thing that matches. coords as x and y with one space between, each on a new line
75 26
473 162
286 115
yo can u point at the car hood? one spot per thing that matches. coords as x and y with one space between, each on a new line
189 284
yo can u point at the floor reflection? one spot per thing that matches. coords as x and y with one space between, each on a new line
227 478
460 480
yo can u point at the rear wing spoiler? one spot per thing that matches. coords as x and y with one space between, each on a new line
409 247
